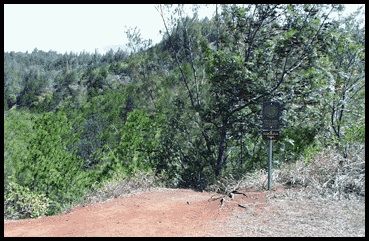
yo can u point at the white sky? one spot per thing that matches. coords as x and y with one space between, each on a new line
77 27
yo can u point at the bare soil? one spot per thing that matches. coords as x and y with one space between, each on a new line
182 212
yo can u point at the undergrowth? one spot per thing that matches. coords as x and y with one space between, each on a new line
328 174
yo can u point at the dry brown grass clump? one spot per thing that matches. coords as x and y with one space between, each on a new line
328 174
139 182
253 180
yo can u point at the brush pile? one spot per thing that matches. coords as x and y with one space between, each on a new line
327 175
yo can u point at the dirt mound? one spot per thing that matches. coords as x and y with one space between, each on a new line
160 212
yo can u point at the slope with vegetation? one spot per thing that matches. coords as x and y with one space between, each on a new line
187 109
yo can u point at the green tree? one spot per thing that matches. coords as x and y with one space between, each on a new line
50 168
343 66
241 74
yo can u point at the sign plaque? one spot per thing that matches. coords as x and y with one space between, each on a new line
271 118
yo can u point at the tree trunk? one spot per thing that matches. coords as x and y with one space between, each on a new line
221 151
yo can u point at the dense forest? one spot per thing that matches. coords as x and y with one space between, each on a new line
187 109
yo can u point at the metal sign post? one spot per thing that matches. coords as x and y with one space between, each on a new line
270 163
271 127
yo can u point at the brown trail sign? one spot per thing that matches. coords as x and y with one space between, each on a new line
271 127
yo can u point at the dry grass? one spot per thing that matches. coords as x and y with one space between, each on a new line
118 186
251 181
325 197
299 218
327 175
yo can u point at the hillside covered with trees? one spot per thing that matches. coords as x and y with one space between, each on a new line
187 110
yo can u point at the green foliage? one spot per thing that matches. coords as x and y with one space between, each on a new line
187 109
310 152
139 141
34 86
355 133
297 139
49 168
20 202
97 125
18 132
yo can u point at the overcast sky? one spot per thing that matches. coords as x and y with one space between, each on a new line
82 27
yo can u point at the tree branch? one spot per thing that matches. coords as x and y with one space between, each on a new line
184 79
332 122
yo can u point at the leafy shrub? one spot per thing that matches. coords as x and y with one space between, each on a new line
356 133
20 202
299 137
18 126
310 152
139 141
49 168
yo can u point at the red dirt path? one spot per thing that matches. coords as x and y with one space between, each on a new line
162 212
